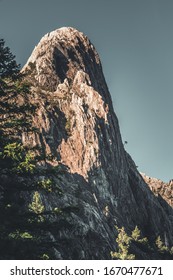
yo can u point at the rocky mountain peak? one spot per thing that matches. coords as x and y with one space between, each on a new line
66 64
61 54
89 183
80 130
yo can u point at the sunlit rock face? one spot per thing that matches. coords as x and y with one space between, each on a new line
160 188
78 130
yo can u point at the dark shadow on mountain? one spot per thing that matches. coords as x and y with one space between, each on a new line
60 63
56 133
78 231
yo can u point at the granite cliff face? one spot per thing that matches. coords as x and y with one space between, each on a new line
95 184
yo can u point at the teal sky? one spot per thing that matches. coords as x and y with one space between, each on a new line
134 39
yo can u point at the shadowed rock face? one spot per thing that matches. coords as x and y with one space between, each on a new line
77 128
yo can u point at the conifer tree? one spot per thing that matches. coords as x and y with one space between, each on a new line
8 65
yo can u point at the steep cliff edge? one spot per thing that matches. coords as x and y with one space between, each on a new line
84 181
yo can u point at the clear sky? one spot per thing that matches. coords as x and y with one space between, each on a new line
134 39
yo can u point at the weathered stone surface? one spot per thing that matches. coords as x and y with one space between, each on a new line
160 188
77 128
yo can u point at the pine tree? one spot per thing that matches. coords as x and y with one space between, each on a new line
15 230
8 66
123 242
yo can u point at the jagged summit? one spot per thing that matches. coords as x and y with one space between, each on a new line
61 54
64 33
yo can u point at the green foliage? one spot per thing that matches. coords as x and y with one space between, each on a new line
45 257
160 245
123 242
13 151
57 210
171 250
20 160
26 166
46 184
20 235
22 86
136 234
15 107
124 245
37 207
8 65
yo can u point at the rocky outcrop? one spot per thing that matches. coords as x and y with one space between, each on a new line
160 188
77 135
